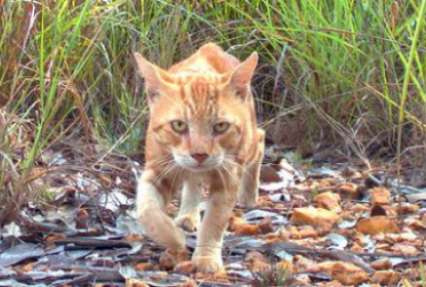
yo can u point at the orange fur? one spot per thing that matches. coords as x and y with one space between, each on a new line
202 130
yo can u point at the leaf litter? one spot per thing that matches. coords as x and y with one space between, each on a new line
329 225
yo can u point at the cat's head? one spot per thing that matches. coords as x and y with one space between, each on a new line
202 119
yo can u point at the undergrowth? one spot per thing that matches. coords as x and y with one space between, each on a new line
350 72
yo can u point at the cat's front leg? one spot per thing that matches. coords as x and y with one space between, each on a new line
189 214
208 253
150 205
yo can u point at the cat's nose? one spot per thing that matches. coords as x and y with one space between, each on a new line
199 157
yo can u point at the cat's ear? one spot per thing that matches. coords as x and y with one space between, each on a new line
241 76
154 76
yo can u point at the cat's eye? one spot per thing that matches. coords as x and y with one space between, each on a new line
221 127
179 126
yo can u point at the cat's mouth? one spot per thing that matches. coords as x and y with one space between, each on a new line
190 164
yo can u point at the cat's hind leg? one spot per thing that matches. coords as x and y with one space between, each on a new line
249 189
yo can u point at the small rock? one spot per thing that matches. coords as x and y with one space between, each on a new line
377 224
380 196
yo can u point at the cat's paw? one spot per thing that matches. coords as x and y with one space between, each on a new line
247 201
208 264
187 222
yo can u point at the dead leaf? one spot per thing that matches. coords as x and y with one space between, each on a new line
82 219
349 189
300 232
135 283
189 283
407 208
381 264
285 266
240 227
257 262
340 271
319 217
185 267
303 264
377 224
386 277
170 258
404 249
380 196
144 266
328 200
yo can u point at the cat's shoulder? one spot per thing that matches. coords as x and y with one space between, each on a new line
210 55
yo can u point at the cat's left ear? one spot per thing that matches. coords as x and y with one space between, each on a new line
243 73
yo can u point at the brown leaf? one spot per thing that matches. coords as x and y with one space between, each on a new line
328 200
377 224
386 277
333 283
381 264
301 232
349 189
82 219
170 258
257 263
240 227
135 283
394 15
185 267
319 217
380 196
189 283
302 264
144 266
406 208
339 270
404 249
285 266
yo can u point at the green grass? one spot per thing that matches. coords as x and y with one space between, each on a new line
353 71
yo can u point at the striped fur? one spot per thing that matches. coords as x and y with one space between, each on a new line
206 89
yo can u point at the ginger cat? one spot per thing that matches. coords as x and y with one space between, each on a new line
202 131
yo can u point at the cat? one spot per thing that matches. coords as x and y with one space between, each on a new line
202 131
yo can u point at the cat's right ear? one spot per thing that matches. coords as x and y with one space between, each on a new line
154 76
